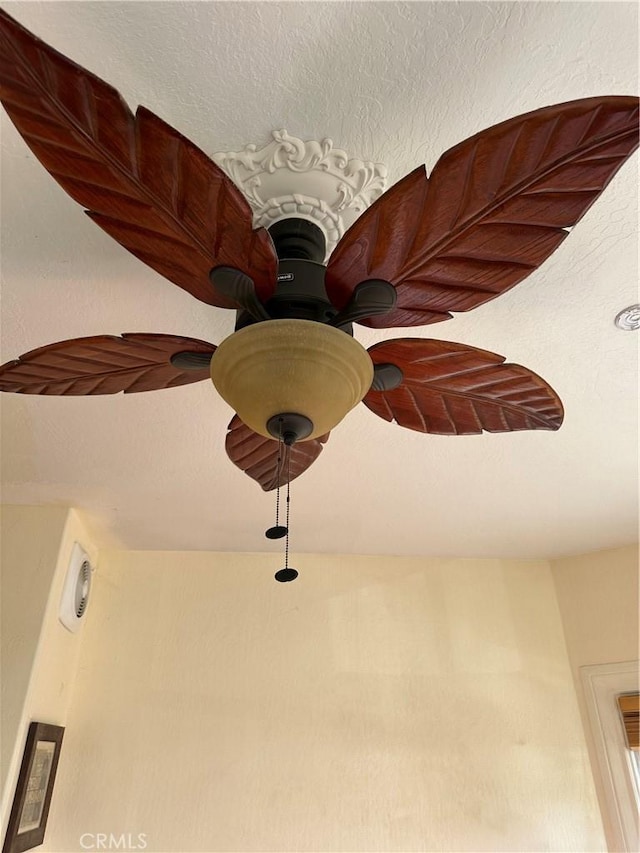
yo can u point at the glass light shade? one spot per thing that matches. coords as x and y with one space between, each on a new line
298 366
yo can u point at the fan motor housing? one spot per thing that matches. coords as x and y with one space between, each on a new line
300 291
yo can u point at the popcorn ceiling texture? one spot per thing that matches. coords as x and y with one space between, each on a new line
390 82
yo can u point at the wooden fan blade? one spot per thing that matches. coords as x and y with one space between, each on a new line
141 181
496 206
452 389
104 364
257 456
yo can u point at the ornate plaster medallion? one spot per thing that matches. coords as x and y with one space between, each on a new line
313 180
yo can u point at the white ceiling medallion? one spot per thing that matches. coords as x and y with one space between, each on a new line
311 180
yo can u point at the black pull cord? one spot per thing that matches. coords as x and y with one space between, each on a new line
277 532
286 541
287 574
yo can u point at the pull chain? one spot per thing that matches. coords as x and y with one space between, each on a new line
277 532
278 473
286 541
287 574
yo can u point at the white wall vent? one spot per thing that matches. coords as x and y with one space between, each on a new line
75 593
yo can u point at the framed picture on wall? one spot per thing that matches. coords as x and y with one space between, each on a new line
30 808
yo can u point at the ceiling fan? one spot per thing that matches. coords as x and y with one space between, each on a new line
494 208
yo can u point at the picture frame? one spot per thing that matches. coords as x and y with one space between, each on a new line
30 809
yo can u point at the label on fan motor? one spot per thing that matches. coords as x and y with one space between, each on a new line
286 276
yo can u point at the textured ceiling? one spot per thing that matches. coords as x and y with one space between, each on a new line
397 83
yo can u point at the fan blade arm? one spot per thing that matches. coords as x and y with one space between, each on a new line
257 456
141 181
453 389
370 298
106 364
386 376
240 289
494 209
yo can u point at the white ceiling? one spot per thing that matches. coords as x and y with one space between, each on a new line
397 83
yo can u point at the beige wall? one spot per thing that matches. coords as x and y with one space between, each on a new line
598 599
39 656
376 704
30 542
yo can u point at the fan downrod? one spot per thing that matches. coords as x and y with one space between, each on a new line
300 239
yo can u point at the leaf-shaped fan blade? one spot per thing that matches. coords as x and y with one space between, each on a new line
452 389
496 206
147 186
104 364
257 456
